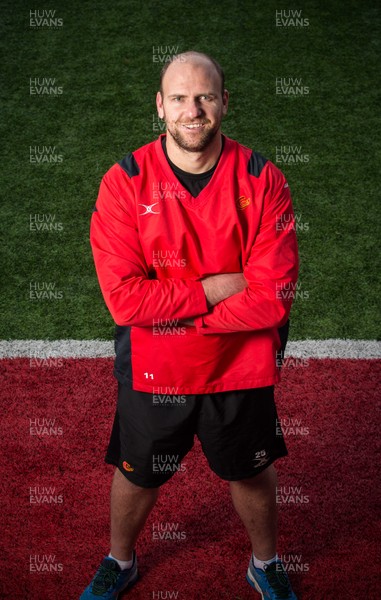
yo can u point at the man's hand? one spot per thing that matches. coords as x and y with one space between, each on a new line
218 288
222 286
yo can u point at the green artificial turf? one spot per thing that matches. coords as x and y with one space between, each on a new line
102 57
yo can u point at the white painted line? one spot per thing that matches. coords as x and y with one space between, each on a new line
334 348
101 349
56 349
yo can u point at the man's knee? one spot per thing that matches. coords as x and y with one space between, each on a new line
122 483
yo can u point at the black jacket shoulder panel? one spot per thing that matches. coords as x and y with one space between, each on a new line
256 164
129 165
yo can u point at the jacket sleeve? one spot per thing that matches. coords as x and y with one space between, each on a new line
131 297
271 270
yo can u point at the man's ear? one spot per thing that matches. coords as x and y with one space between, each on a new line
159 105
225 102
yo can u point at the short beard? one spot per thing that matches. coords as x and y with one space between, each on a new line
204 141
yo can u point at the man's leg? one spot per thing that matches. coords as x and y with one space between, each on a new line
130 507
255 502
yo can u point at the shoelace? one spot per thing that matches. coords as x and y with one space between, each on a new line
105 578
278 580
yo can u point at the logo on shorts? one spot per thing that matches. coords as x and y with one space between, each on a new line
127 466
260 459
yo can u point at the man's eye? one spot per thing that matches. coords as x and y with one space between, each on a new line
205 97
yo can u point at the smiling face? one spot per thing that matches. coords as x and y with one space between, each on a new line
191 103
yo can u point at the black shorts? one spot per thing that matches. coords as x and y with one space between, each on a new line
152 434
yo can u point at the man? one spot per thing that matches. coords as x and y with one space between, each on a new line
194 263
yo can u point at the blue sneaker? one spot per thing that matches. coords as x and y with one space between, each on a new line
272 583
110 580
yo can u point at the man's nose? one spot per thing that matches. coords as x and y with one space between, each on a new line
194 109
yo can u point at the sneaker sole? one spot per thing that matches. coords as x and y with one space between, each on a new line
129 585
253 582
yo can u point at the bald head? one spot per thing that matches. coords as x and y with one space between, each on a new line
192 101
197 60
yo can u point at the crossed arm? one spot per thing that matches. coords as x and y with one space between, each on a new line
220 287
222 303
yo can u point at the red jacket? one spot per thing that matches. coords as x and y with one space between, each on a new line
153 242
